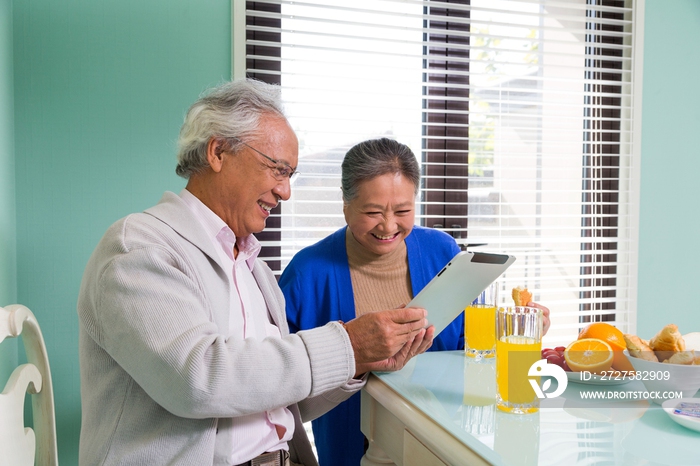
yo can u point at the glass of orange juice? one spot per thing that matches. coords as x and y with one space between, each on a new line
517 438
480 324
518 346
479 399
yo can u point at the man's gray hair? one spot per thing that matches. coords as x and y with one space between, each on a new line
376 157
230 110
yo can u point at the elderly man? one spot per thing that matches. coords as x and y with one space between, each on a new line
185 354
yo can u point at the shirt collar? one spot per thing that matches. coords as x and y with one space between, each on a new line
220 234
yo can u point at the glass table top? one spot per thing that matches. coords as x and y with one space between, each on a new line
459 394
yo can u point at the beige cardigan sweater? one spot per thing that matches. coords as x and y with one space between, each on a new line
160 385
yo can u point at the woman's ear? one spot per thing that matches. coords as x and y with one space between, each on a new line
215 154
345 212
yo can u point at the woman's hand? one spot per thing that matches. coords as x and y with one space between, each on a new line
545 314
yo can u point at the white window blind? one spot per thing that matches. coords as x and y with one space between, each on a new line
520 113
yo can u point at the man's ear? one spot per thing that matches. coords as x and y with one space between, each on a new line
215 154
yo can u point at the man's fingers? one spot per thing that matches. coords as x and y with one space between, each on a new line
379 335
430 332
426 340
412 323
416 342
410 329
409 314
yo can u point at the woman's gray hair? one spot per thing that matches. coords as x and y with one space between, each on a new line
230 110
376 157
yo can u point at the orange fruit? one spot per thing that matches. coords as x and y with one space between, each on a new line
589 354
613 337
621 363
606 332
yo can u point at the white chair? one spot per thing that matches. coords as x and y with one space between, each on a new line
20 445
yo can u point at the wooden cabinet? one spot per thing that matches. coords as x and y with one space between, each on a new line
399 434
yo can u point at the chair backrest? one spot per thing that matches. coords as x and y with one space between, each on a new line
20 445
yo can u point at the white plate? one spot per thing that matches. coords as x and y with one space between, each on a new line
686 421
597 379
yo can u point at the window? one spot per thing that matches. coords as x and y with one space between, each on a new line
520 112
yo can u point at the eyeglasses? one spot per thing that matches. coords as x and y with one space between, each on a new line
281 170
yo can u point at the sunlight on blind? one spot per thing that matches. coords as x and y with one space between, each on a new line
519 112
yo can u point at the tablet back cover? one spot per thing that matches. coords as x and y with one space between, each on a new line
459 283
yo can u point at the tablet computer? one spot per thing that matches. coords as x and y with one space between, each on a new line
458 284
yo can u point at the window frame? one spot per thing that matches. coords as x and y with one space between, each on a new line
597 226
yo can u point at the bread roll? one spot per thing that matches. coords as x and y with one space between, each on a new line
639 348
682 357
521 296
667 342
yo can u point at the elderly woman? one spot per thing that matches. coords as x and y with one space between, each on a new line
379 261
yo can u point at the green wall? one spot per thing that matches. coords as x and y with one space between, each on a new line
100 92
669 227
8 245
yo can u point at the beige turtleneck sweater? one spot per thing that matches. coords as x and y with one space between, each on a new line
378 281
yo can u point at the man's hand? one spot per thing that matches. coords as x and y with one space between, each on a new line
380 335
419 344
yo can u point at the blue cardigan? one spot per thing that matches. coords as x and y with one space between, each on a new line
318 289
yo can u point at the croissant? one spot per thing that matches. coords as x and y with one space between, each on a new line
682 357
639 348
667 342
521 296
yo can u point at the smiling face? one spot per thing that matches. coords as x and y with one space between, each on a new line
240 187
383 213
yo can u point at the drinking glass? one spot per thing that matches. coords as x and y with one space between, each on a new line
517 438
518 346
479 324
479 399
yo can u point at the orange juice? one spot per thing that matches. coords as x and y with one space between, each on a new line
514 356
479 328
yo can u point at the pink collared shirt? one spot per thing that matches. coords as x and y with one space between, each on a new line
256 433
